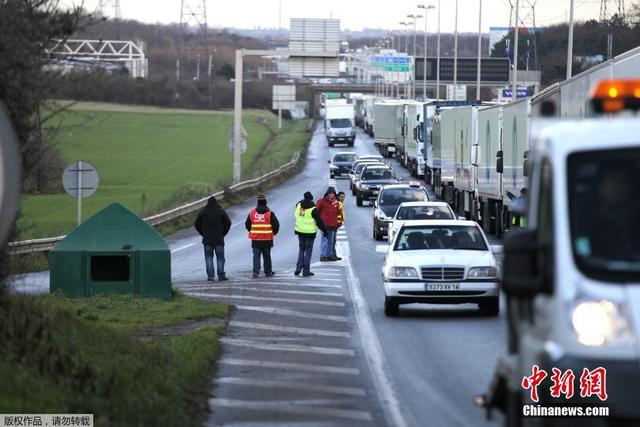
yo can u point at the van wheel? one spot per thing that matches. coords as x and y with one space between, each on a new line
391 308
490 307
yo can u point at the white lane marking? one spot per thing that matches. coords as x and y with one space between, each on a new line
324 267
289 329
291 300
293 313
280 291
288 347
291 408
393 410
290 366
312 279
350 391
299 284
182 248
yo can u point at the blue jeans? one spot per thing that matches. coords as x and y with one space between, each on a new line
208 260
328 243
305 245
265 253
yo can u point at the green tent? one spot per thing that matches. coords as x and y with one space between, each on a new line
114 251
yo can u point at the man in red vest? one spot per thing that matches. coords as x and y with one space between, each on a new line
262 225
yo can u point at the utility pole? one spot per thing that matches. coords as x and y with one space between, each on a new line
438 57
424 65
192 12
455 55
478 76
413 61
570 43
514 86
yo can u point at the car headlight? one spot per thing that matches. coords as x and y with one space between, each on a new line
402 273
382 216
482 272
362 186
333 167
599 322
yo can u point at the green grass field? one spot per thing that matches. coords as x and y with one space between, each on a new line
151 159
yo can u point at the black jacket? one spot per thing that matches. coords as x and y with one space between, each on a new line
275 225
212 223
308 204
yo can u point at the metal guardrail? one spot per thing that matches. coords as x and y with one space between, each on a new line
46 244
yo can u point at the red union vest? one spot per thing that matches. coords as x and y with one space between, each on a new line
260 226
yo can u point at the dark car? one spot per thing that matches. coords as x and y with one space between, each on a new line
372 179
388 201
342 163
354 173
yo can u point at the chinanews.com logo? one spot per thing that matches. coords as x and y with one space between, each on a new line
592 385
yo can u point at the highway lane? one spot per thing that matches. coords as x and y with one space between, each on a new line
433 360
439 356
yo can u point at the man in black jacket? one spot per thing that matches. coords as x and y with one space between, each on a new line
262 225
213 224
308 222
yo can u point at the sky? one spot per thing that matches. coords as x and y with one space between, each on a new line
354 14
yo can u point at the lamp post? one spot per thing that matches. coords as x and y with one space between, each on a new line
455 55
406 49
424 65
413 85
478 76
514 84
438 57
570 45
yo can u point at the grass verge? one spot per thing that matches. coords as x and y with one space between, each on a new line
77 355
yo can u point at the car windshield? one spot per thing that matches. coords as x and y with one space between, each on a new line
344 157
604 208
360 166
460 237
340 123
396 196
423 212
373 174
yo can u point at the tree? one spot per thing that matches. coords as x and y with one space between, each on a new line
26 27
226 71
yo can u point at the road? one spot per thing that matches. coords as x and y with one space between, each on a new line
321 351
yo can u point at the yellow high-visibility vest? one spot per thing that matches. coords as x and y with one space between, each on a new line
305 223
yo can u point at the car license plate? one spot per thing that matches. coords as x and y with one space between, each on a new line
443 286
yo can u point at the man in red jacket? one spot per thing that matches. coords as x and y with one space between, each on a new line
329 210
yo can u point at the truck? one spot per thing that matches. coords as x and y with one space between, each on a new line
388 126
424 134
572 276
369 114
339 123
359 107
409 152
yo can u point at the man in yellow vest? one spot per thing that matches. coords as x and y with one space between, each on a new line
262 225
308 222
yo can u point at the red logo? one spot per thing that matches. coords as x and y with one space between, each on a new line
592 383
562 383
531 383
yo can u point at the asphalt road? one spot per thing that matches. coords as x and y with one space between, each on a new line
321 351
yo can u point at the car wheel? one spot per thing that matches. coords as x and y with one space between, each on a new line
491 307
376 234
358 200
391 308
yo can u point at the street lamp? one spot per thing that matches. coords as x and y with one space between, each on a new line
478 75
570 45
438 57
406 50
413 86
424 65
455 56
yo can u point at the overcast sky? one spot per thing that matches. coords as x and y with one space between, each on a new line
354 14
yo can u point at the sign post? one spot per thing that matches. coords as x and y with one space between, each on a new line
10 176
283 97
80 180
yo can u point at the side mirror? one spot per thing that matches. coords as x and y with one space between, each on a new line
415 133
475 154
525 167
500 162
497 249
523 273
382 249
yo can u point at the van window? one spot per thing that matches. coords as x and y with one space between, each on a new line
604 209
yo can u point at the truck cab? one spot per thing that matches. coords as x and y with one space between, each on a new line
339 123
572 276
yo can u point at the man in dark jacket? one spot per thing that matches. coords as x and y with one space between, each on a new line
308 222
213 224
262 225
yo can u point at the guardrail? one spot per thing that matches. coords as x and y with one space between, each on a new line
46 244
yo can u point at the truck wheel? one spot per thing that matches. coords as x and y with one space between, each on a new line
490 307
358 200
391 308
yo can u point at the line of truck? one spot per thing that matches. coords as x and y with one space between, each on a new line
475 155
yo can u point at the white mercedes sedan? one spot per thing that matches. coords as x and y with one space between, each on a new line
440 262
410 211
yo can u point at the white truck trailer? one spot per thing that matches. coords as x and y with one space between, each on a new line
387 126
339 123
410 151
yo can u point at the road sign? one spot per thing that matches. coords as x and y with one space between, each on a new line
508 93
231 131
10 179
456 92
243 145
80 179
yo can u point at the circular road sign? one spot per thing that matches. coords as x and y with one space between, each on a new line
10 175
80 177
243 145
